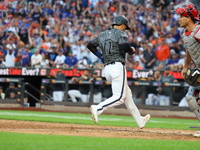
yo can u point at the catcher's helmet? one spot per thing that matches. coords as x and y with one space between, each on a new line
118 20
187 9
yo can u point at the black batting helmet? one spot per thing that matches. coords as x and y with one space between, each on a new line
118 20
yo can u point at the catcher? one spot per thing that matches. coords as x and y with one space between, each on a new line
189 18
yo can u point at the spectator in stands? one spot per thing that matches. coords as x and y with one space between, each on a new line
18 59
164 91
26 56
83 89
60 58
181 61
157 76
75 46
59 88
37 39
93 59
2 94
84 51
151 92
175 47
162 51
13 32
55 17
170 39
137 65
98 64
36 59
139 56
149 57
23 34
52 55
2 62
83 64
173 60
97 97
10 55
71 61
45 62
50 15
130 62
36 13
2 36
66 48
10 89
160 66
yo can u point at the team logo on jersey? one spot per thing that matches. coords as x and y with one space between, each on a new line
188 72
125 38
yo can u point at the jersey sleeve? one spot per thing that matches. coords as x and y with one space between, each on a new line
123 38
123 43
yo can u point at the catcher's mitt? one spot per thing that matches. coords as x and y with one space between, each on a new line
192 77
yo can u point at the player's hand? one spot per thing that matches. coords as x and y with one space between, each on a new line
133 51
183 72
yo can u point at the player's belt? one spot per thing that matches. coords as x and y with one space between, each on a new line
112 63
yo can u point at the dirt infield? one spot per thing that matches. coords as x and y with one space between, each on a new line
94 130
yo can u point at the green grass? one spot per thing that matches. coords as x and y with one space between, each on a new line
20 141
105 120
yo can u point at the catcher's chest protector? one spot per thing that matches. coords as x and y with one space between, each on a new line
192 44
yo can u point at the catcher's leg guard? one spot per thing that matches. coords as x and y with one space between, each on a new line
193 105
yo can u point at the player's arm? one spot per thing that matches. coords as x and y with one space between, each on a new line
95 51
124 45
126 48
188 60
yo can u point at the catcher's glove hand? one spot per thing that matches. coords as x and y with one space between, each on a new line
192 77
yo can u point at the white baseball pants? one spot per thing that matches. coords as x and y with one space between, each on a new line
58 95
97 98
73 94
163 100
116 75
152 99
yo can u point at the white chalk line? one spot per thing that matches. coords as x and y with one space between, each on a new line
102 118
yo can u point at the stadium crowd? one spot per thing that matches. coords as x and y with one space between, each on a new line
47 33
51 33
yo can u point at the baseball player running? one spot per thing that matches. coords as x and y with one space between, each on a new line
191 39
114 45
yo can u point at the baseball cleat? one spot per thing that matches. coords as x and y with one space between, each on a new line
144 121
197 134
94 113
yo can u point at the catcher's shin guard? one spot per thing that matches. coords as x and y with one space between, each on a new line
193 105
197 113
